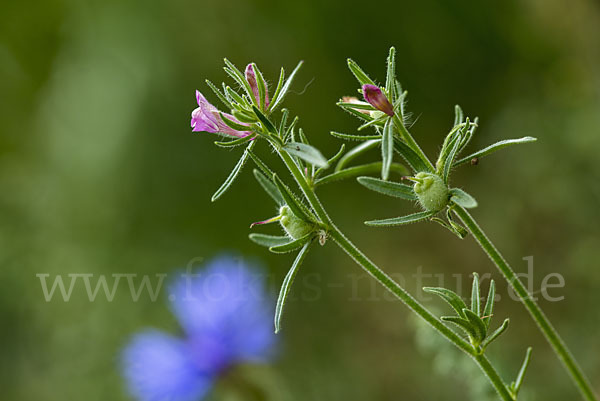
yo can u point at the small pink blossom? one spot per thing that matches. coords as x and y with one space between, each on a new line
207 118
251 78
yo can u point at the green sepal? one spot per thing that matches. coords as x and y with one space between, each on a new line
360 75
475 295
292 202
397 221
269 187
264 120
492 148
450 297
292 245
235 142
268 241
413 160
307 153
387 149
287 284
489 304
279 95
495 334
389 188
234 173
461 198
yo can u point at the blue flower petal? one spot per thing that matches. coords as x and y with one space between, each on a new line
227 302
158 367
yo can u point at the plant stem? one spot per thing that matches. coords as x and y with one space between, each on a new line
385 280
410 141
536 313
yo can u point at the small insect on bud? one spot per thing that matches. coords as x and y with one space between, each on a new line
377 99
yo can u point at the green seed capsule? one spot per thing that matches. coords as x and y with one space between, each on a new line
431 191
294 226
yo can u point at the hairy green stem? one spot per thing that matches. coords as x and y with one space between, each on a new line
410 141
542 321
363 261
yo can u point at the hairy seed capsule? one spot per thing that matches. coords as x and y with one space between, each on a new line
431 192
293 225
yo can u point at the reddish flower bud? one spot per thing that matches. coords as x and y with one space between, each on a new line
377 99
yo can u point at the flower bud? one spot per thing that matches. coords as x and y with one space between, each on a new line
251 78
377 99
431 191
293 225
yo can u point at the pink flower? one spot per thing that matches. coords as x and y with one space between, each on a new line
377 99
207 118
251 78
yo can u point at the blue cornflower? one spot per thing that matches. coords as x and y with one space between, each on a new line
227 318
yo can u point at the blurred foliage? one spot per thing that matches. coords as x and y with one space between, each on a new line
100 174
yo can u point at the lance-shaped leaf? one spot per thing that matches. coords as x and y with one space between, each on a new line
290 199
287 284
415 162
264 120
260 164
279 95
352 172
292 245
516 385
397 221
389 188
495 334
234 173
449 161
235 142
390 80
269 187
307 153
360 75
477 323
268 240
387 149
489 305
238 77
219 94
351 137
462 198
462 323
355 152
475 295
280 83
451 297
459 116
493 148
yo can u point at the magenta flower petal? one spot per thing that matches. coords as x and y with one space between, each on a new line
377 99
207 118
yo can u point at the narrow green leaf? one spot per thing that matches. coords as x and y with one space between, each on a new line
239 77
279 86
387 149
360 75
355 152
260 164
289 132
269 187
360 105
290 199
264 120
219 94
390 80
292 245
287 284
284 88
449 161
462 198
449 296
307 153
358 113
268 240
495 334
397 221
469 135
236 97
244 116
354 137
489 304
462 323
477 323
378 122
235 142
352 172
284 116
234 173
303 137
521 374
389 188
475 295
262 86
493 148
413 160
458 115
232 124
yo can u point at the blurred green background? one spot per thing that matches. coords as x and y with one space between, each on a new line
100 174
